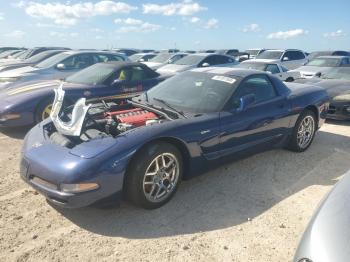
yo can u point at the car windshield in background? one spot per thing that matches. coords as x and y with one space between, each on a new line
135 57
252 52
40 57
256 66
324 62
161 58
8 53
21 55
194 92
189 60
270 55
337 73
93 75
52 60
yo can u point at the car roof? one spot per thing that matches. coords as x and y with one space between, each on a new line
331 56
73 52
228 71
262 61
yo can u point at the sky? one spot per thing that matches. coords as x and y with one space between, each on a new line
309 25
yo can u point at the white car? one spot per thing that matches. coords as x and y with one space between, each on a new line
321 65
289 58
271 67
254 52
164 58
197 60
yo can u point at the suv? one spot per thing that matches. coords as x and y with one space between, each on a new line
289 58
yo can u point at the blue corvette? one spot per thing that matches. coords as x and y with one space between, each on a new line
25 104
143 149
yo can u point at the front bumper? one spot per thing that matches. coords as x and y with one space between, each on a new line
45 166
339 111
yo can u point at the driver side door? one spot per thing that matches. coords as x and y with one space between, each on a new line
262 123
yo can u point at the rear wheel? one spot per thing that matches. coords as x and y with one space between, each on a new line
154 175
304 132
43 110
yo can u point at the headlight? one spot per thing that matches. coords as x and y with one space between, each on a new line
78 188
8 79
10 117
345 97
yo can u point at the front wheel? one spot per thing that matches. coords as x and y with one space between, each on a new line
304 132
154 175
43 110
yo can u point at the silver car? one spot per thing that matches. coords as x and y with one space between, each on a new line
57 67
164 58
196 61
321 65
326 238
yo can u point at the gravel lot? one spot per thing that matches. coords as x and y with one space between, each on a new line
251 210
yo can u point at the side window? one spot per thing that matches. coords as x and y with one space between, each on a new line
209 60
298 55
287 56
344 61
284 69
258 85
138 73
175 58
272 68
222 60
78 61
114 58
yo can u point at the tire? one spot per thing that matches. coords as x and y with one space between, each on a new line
303 130
143 190
43 110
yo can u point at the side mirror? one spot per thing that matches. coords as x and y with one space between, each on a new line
118 82
285 58
245 102
61 66
205 65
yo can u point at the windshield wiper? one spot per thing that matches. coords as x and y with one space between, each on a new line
170 106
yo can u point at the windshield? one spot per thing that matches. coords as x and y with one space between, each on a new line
270 55
251 65
18 54
324 62
7 53
135 57
189 60
252 52
41 56
93 75
337 73
22 55
53 60
194 92
161 58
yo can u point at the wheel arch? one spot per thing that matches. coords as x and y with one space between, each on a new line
314 109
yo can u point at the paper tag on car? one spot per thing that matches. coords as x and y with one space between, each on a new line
224 79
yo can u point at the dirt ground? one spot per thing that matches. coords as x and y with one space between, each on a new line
251 210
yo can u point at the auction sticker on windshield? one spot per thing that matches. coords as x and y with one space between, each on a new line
224 79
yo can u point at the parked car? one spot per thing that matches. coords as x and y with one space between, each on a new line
321 65
337 84
164 58
197 60
32 102
272 67
176 130
8 53
230 52
142 57
326 238
32 61
328 53
57 67
253 52
289 58
126 51
3 49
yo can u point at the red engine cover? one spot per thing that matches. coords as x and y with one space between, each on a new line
136 117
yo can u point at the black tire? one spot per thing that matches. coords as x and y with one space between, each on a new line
293 144
134 184
40 109
290 79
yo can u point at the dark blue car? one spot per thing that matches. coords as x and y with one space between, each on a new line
30 103
184 126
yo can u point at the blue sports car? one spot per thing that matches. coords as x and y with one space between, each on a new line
25 104
180 128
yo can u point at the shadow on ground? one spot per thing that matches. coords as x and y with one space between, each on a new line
227 196
15 132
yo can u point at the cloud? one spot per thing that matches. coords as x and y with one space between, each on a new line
2 16
96 30
184 8
128 21
211 23
287 34
16 34
70 14
336 34
135 25
194 20
251 28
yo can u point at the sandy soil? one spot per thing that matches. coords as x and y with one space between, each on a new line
251 210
